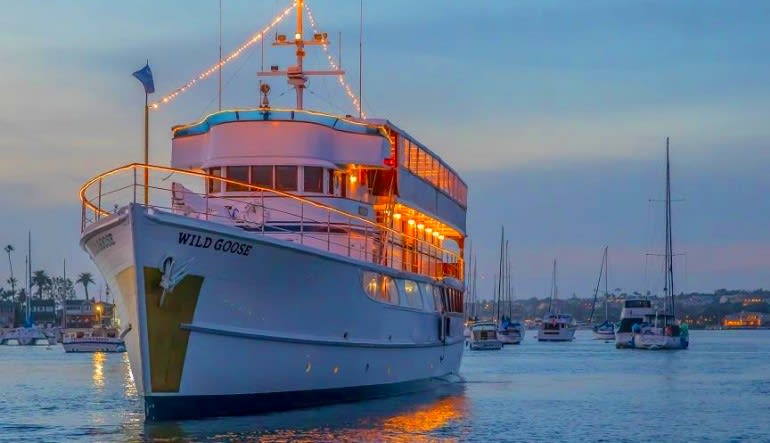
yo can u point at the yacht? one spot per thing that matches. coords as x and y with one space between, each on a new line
661 329
93 340
484 337
556 326
633 313
285 258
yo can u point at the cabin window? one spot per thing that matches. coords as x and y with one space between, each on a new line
333 185
262 176
214 184
238 173
427 297
286 178
313 179
411 294
437 300
380 288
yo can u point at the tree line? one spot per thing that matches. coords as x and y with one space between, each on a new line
42 285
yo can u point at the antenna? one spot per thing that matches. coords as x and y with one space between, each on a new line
220 55
361 60
296 75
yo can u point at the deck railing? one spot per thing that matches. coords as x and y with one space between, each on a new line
263 211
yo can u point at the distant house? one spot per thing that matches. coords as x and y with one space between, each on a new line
78 314
42 312
7 314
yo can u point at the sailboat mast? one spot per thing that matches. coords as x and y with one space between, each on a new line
475 274
669 243
606 278
508 279
553 286
500 276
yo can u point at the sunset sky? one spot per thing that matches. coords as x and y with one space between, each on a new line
554 112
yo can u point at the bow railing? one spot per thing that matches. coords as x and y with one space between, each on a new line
264 211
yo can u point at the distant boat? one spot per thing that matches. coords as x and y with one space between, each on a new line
509 331
661 329
30 336
606 330
556 326
94 340
484 337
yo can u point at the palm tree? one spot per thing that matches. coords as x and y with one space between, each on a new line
85 279
42 281
12 281
8 249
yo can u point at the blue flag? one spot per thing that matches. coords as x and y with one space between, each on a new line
144 75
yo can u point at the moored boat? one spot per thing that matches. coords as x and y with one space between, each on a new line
93 340
661 329
484 337
605 330
287 258
556 326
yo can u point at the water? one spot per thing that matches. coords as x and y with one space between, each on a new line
718 390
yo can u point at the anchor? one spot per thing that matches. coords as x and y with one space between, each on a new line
170 276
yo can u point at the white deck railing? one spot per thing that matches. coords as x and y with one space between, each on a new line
264 211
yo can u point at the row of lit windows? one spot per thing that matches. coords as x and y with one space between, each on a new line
279 177
410 294
425 165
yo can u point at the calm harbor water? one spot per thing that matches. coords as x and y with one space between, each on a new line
718 390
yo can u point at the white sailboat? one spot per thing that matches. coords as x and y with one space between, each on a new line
509 331
661 329
606 330
556 326
286 258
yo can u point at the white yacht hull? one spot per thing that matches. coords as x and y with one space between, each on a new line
563 334
94 346
510 336
259 325
600 335
659 342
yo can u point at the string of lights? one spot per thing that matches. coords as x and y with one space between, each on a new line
233 55
333 64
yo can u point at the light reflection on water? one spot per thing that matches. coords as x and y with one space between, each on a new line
97 374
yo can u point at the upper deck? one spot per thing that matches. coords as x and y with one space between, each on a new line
368 161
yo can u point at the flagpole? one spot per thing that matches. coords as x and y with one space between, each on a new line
146 147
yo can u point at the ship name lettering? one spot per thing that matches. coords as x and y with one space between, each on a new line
102 243
206 242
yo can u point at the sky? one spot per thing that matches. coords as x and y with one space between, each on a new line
554 112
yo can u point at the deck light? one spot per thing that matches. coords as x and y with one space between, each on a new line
428 230
353 178
436 234
421 226
411 222
440 237
397 216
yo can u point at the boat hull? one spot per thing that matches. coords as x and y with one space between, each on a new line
655 342
563 334
259 325
599 335
510 336
94 346
486 345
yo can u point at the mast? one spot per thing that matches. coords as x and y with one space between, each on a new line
669 261
598 282
553 286
475 274
500 276
296 75
606 277
508 280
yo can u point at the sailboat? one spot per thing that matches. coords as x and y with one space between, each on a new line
509 331
606 330
661 329
556 326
